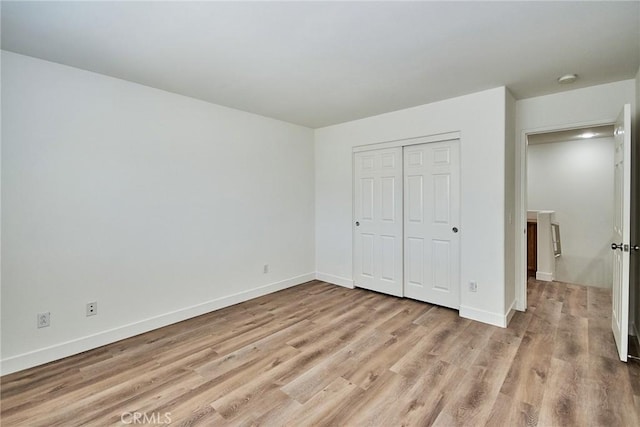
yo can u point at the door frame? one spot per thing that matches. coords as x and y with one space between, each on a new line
521 200
440 137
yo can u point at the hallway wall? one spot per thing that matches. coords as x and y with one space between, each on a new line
575 179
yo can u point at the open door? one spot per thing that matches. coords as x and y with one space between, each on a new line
621 231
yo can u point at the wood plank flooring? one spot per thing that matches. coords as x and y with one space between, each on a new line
319 354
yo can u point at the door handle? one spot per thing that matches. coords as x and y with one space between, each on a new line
635 247
357 223
454 229
614 246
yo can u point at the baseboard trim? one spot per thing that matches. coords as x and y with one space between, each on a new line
335 280
544 276
510 313
483 316
69 348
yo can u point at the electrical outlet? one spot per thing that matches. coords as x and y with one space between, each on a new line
44 319
92 308
265 268
473 286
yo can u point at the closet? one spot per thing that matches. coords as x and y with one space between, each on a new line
406 221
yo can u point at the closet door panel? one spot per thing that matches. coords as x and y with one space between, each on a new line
377 228
432 204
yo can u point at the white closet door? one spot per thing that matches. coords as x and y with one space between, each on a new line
431 223
377 230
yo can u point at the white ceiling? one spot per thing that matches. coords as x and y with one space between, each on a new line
321 63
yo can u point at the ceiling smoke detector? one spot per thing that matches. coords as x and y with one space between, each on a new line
567 78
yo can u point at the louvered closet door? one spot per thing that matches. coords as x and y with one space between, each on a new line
377 228
431 223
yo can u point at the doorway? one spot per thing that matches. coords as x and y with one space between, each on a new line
622 208
522 205
570 199
570 212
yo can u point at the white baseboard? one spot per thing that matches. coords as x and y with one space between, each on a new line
495 319
335 280
544 276
69 348
510 313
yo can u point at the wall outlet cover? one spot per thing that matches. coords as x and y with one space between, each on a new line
44 319
92 308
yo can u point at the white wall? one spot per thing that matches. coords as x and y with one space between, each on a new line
580 106
575 179
157 206
545 258
510 195
595 104
481 119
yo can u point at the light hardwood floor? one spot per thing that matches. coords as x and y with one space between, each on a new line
319 354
